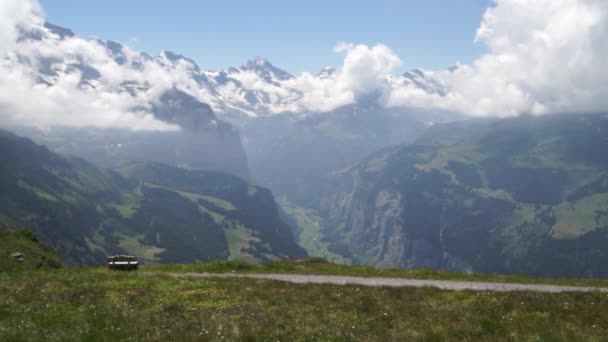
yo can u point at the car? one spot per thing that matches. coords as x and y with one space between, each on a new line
123 262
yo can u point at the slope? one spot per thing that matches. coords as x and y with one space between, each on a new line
522 195
21 250
86 213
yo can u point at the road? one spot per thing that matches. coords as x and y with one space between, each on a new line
397 282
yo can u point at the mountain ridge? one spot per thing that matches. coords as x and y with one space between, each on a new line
86 213
523 195
257 88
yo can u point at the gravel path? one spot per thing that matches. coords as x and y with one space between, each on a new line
397 282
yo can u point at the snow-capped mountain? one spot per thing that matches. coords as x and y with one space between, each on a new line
423 80
327 72
259 88
256 88
101 82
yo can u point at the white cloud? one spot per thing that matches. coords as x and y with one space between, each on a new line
363 71
64 103
15 14
65 99
544 56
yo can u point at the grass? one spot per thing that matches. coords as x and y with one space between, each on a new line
96 243
580 217
195 197
133 245
321 267
129 204
38 192
35 255
100 305
239 239
464 153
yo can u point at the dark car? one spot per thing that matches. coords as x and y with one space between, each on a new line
123 262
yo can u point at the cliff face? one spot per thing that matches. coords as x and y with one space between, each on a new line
518 196
382 223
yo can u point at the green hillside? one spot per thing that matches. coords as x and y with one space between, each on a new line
522 195
160 213
243 218
21 250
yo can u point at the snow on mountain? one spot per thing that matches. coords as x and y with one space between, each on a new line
423 80
256 88
135 81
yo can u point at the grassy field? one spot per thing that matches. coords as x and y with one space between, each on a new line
322 267
98 304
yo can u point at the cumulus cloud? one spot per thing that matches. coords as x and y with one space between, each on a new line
544 56
65 96
65 103
363 72
15 14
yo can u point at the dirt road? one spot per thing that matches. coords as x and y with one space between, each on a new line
397 282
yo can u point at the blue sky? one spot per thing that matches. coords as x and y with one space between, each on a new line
294 35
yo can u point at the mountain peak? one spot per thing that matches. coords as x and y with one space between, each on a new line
415 73
174 57
263 68
258 63
58 30
327 72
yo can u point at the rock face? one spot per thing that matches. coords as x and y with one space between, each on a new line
525 195
383 225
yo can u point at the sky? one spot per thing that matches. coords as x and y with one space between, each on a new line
513 57
294 35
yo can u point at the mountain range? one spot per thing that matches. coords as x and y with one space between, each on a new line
254 89
248 121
